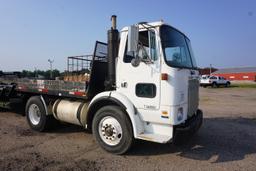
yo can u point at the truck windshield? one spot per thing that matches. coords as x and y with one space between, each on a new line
177 49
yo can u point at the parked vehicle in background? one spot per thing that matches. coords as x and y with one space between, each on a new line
205 76
213 81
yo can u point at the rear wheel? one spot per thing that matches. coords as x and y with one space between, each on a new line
227 84
214 85
36 115
112 129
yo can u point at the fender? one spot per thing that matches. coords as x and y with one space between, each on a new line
123 102
45 106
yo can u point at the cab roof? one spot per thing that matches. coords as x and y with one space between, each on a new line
143 25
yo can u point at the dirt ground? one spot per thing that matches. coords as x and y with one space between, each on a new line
226 141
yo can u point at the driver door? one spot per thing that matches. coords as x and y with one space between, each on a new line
141 84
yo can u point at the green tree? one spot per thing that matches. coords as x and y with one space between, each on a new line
36 73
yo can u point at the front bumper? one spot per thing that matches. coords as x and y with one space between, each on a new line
185 130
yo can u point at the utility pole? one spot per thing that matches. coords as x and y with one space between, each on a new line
35 72
50 61
210 69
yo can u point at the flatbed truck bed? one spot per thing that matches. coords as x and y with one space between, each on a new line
45 87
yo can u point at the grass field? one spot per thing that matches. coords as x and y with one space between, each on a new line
243 85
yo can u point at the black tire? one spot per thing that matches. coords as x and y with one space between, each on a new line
227 84
45 122
214 85
117 113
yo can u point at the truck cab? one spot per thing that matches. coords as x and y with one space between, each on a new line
157 77
165 77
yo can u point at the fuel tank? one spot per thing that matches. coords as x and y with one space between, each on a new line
73 112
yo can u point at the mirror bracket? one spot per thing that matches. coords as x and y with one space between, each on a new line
135 61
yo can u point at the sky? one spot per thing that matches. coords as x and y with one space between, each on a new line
222 32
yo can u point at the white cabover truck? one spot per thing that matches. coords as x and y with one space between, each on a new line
144 86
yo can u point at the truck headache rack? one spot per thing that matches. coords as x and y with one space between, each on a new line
79 67
79 63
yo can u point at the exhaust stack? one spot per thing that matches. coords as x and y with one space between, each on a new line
113 19
113 36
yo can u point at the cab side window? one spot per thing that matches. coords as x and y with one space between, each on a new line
146 90
146 47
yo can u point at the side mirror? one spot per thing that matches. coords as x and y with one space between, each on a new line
133 39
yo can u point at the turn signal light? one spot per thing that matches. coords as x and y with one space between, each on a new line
164 113
164 76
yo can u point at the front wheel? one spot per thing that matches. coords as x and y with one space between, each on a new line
112 129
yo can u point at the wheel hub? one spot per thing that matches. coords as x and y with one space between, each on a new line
110 130
34 114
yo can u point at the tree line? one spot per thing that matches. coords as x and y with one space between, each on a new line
40 73
48 74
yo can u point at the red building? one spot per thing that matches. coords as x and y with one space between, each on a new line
207 71
245 73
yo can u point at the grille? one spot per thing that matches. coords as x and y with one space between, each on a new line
193 96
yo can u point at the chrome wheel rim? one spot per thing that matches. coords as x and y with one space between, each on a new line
110 130
34 114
